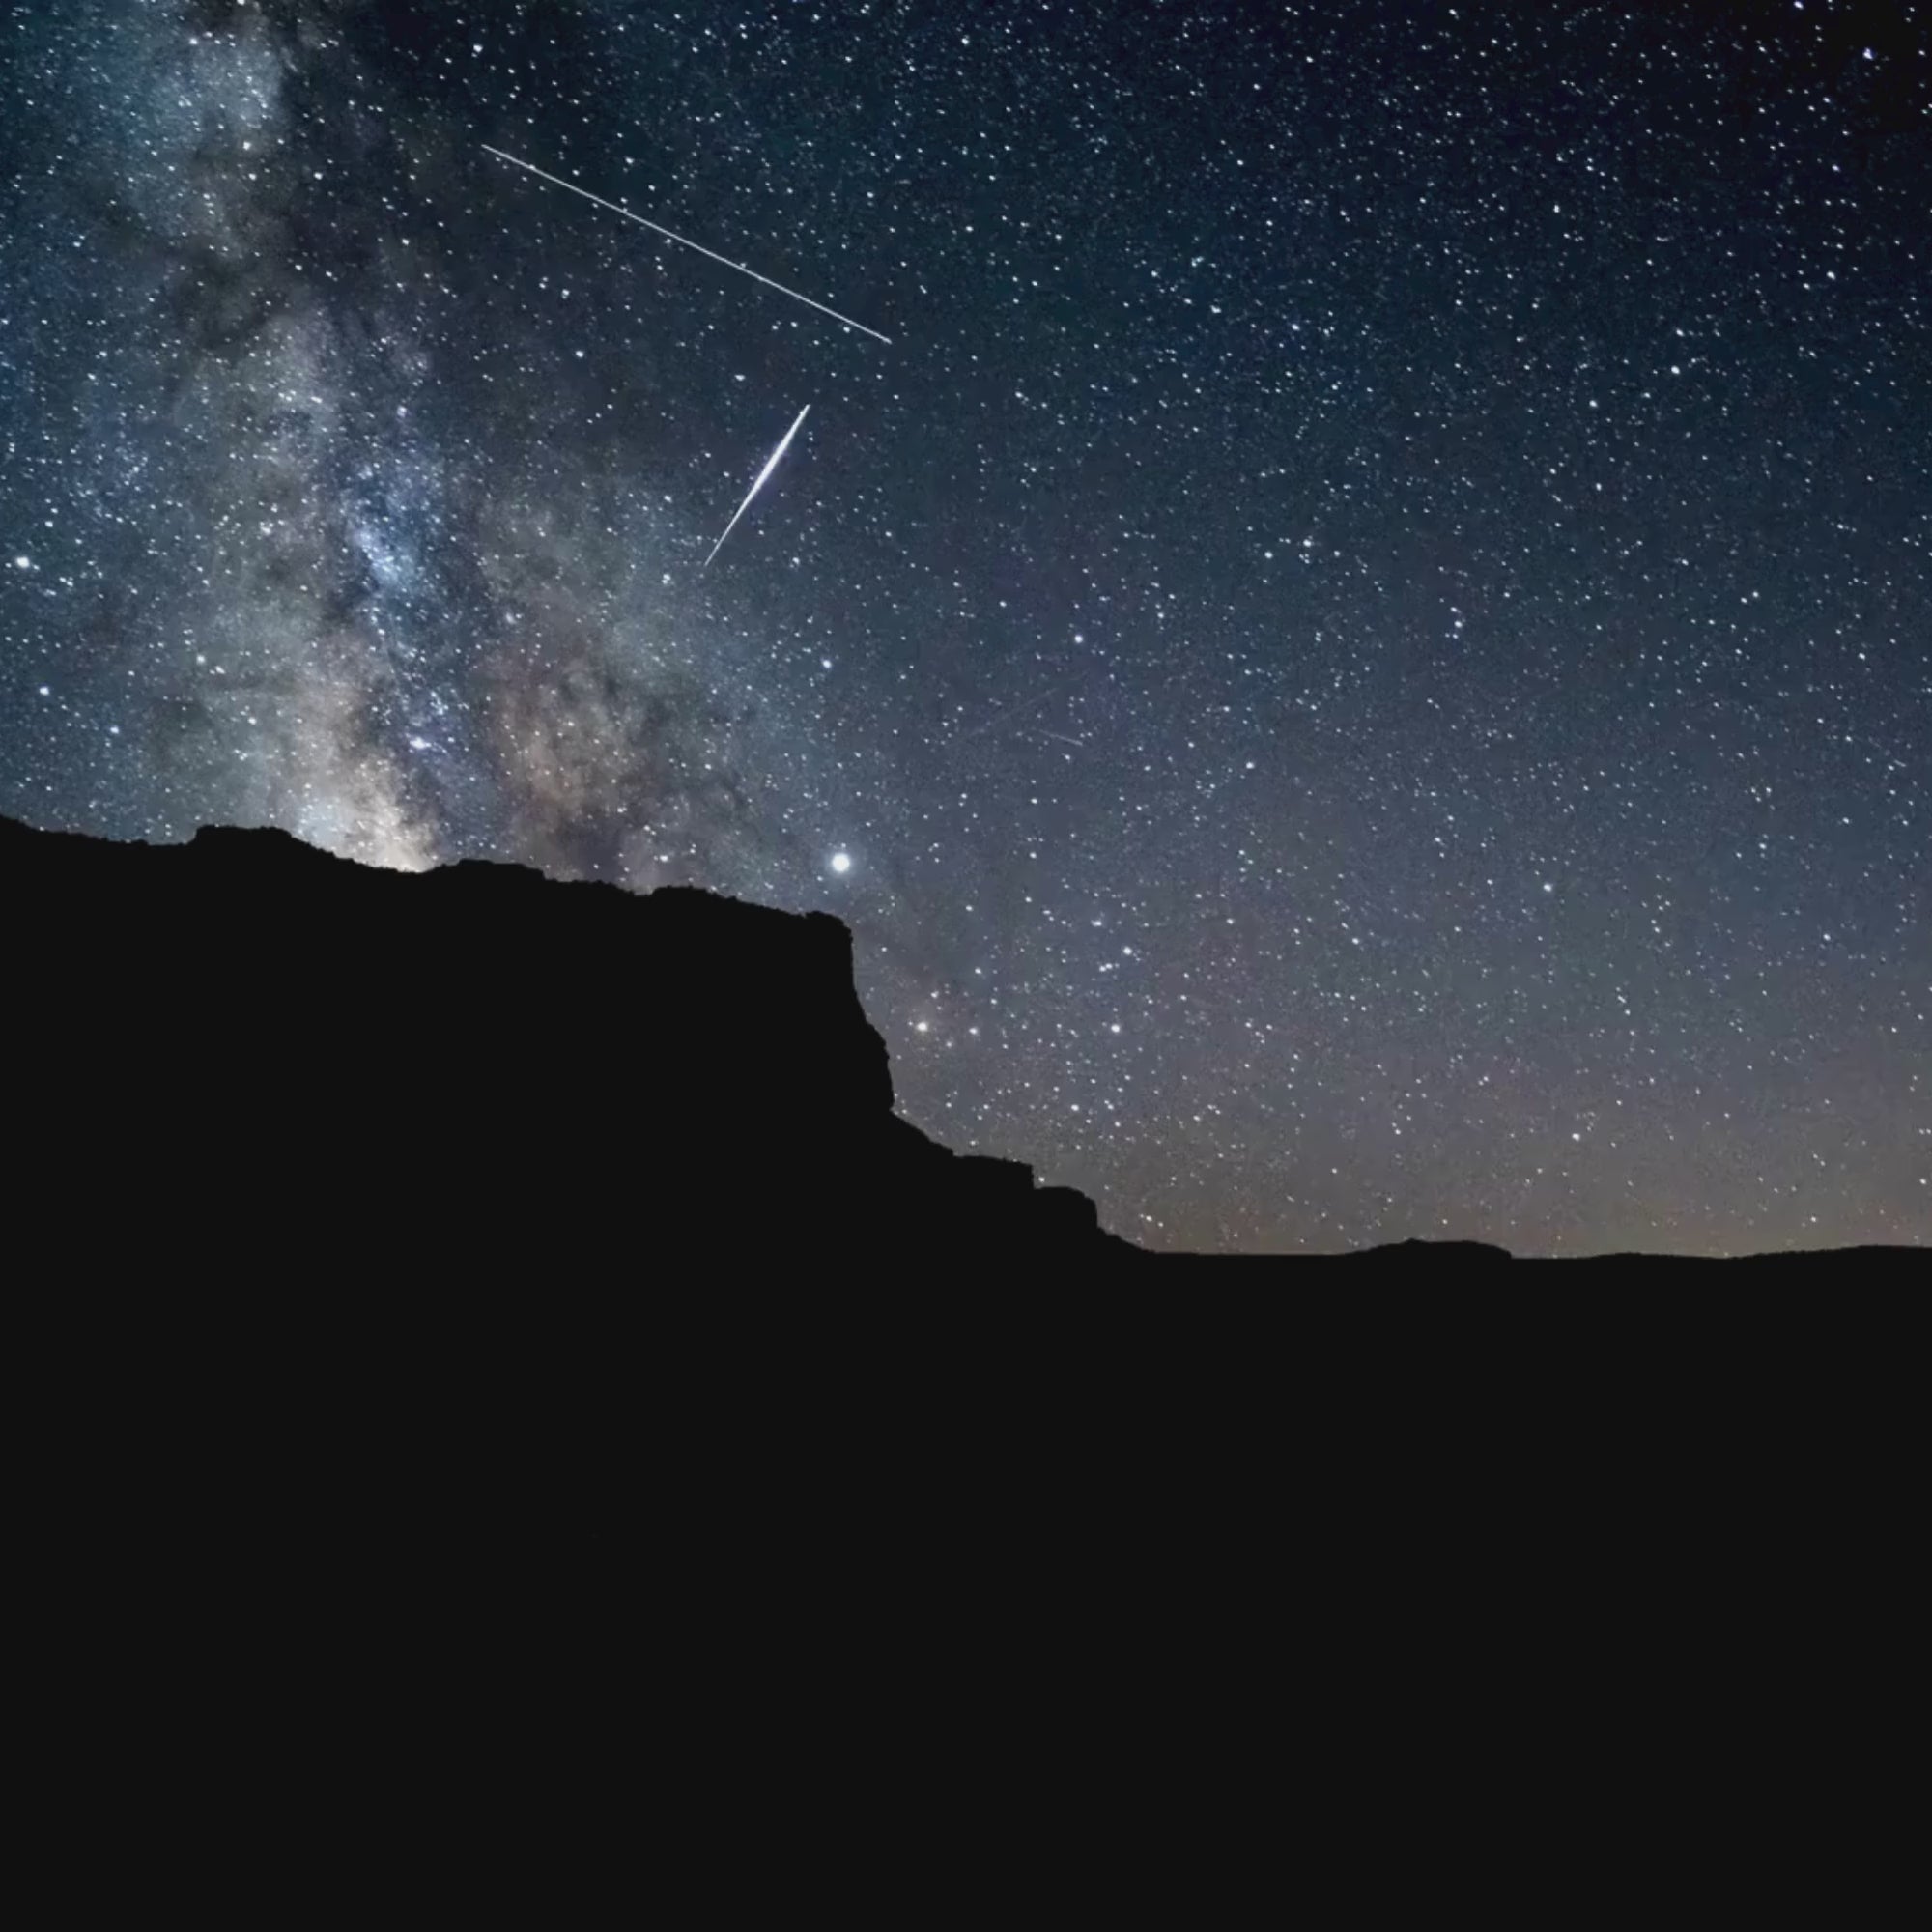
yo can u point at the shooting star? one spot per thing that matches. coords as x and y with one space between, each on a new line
709 255
763 475
1017 710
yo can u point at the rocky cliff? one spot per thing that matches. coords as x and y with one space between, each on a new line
243 1054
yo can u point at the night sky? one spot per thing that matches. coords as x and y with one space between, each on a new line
1360 665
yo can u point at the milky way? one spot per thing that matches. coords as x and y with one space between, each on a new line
1360 663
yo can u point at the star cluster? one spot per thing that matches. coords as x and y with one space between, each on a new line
1360 664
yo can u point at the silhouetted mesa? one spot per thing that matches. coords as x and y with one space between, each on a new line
244 1052
248 1060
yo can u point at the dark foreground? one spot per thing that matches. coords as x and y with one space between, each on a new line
455 1568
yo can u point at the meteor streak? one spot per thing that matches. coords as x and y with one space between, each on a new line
1016 708
709 255
763 473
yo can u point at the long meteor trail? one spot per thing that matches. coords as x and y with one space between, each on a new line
761 483
711 255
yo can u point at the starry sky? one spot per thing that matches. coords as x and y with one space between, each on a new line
1359 662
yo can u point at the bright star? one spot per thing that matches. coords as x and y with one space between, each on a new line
842 861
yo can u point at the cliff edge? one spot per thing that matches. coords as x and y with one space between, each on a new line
244 1052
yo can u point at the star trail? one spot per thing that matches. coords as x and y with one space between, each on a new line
1355 643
